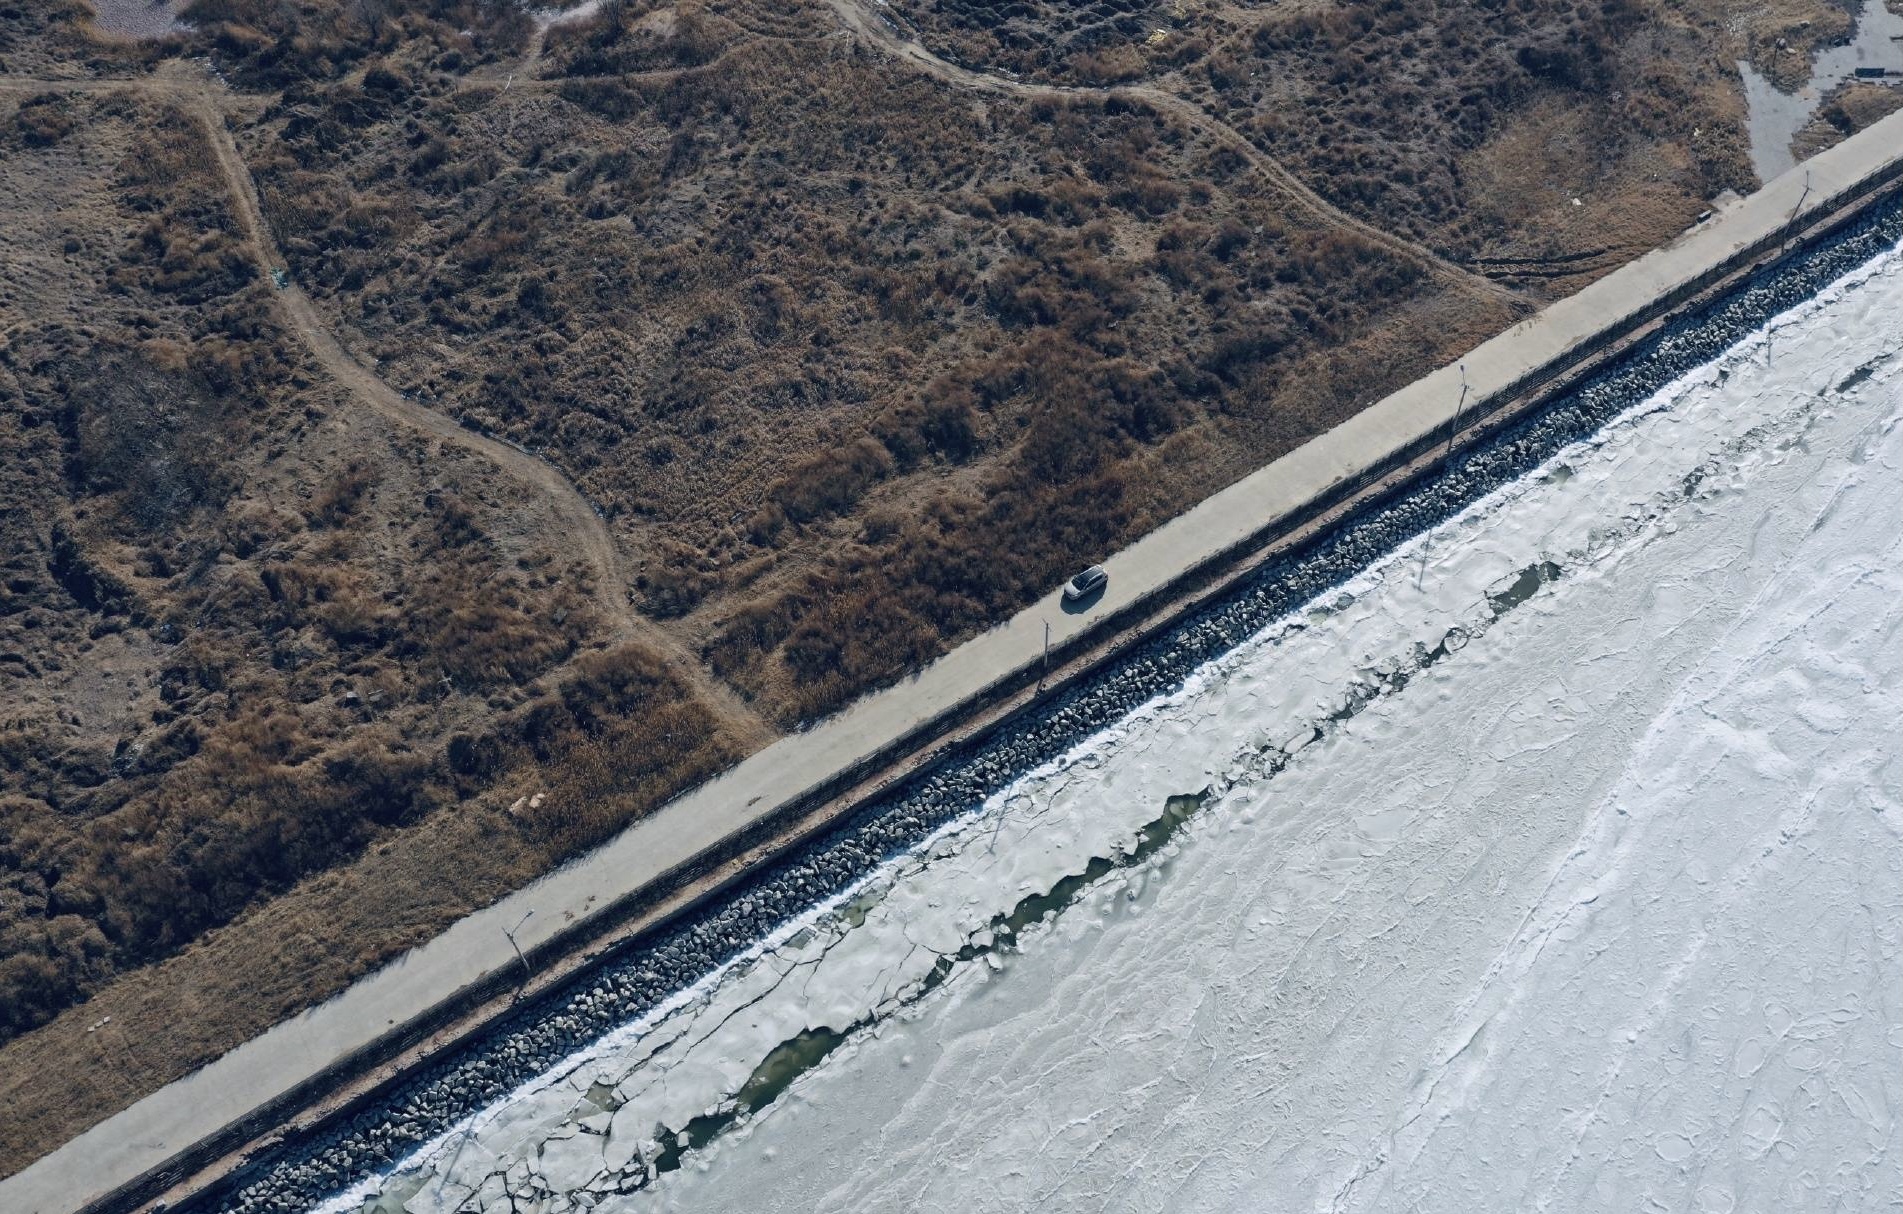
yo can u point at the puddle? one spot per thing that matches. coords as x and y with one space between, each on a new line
1774 117
1857 377
788 1061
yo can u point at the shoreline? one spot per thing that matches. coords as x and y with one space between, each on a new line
159 1141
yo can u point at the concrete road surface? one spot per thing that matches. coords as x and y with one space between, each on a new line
149 1133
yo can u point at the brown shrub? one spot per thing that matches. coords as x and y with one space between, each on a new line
265 43
43 120
620 737
824 484
631 37
943 423
677 583
341 495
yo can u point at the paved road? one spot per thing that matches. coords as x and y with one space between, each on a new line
150 1132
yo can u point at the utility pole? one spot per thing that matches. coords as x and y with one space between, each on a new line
1453 426
510 933
1044 671
1792 221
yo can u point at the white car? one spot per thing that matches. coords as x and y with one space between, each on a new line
1085 584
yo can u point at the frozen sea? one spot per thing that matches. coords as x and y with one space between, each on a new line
1556 863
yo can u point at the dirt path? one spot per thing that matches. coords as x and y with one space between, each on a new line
518 78
503 73
207 102
578 517
581 525
879 30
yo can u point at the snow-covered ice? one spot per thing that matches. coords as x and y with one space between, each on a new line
1552 864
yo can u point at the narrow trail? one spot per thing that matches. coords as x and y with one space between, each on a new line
520 73
575 514
861 20
578 516
879 30
580 524
518 80
538 43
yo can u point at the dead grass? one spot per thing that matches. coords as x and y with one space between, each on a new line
855 366
613 741
331 635
742 305
171 1017
1472 129
1849 108
1097 42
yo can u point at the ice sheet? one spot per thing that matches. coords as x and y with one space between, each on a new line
1552 863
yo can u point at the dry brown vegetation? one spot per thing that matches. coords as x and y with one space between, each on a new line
857 371
274 44
827 349
1849 108
243 638
51 38
1468 128
854 363
1096 42
1396 113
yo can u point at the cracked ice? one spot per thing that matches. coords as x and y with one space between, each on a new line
1552 864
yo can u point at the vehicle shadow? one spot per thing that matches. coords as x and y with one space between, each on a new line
1078 606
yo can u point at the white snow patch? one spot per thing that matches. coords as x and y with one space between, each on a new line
1602 906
